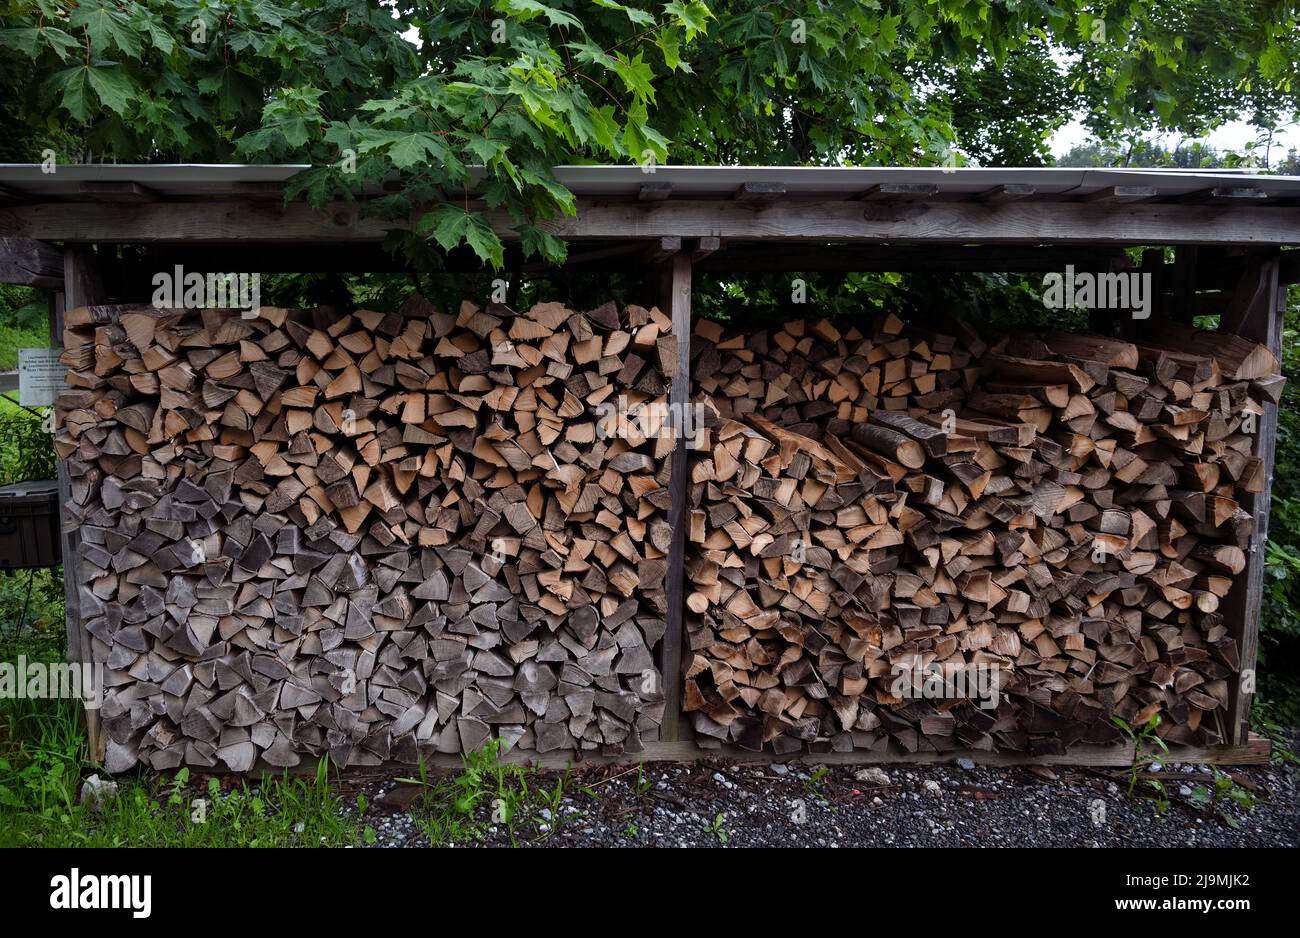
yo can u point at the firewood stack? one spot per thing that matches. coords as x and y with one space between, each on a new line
368 535
1071 516
815 378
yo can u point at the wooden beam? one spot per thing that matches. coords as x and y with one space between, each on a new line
82 286
662 250
1027 222
704 247
31 263
757 256
1256 751
760 191
259 191
655 192
675 298
1257 312
128 192
1225 194
1115 194
1009 193
899 192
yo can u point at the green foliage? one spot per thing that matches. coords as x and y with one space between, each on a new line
1148 748
717 827
43 763
488 795
24 323
516 86
1186 66
32 601
1223 791
26 447
1277 698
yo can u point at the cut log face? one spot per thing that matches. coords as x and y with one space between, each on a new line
368 535
882 519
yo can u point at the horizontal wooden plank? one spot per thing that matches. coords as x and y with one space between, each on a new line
949 223
1001 258
118 192
1255 752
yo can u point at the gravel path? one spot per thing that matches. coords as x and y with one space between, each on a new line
735 805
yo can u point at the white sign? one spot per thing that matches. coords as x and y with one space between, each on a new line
40 376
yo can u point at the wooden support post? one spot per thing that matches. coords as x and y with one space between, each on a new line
82 286
1256 312
675 298
1102 321
1184 283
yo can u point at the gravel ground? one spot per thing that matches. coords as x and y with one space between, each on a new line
802 804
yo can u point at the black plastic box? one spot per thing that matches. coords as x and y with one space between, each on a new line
29 525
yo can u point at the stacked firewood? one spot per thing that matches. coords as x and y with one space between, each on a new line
368 535
815 378
1068 521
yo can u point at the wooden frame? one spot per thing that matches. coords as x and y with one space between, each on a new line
82 286
1019 222
1256 312
766 234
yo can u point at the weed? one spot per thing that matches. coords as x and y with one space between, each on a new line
644 783
717 828
1144 758
489 793
813 784
1220 792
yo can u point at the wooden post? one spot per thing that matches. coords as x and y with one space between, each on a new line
675 297
82 286
1256 313
1184 283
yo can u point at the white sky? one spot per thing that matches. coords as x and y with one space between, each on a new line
1232 136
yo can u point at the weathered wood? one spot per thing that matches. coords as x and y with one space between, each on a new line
128 192
676 295
31 263
82 285
1116 194
1256 751
1071 512
1024 222
760 191
368 535
1257 313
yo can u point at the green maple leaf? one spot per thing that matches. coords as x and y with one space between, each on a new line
107 29
113 86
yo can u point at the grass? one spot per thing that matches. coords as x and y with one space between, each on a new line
13 338
24 322
43 763
487 797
